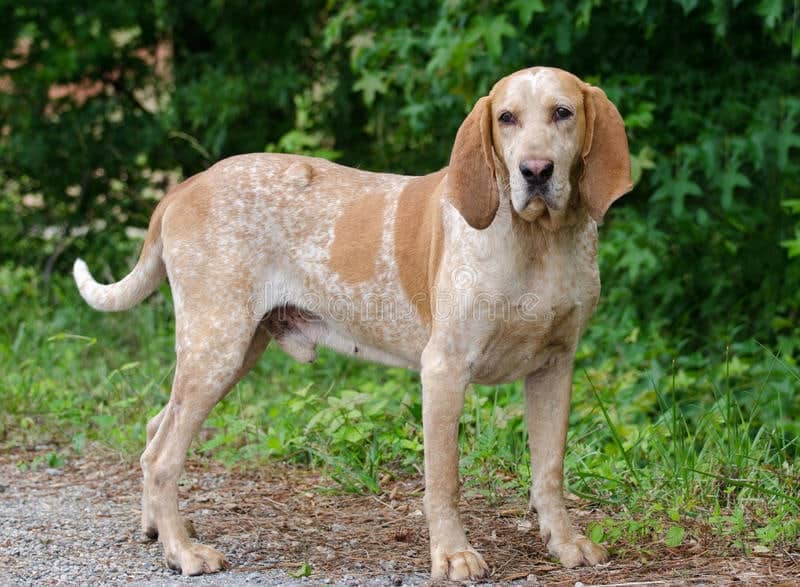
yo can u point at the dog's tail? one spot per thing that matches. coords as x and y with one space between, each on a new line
148 273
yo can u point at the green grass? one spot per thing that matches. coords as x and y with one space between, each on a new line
661 438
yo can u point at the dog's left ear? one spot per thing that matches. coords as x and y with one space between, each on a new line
471 176
606 159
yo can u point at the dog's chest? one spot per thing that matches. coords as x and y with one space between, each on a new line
541 311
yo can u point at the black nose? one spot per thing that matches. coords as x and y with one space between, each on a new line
536 170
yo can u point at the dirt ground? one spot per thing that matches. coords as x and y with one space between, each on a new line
79 524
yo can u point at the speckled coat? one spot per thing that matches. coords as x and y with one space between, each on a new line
476 273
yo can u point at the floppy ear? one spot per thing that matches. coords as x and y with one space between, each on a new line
471 176
606 159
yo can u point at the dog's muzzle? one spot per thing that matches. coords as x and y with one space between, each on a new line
537 174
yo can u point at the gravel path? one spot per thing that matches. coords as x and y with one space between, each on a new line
71 534
82 527
79 525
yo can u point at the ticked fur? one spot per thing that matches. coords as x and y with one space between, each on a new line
468 274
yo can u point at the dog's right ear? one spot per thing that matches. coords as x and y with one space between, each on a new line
471 176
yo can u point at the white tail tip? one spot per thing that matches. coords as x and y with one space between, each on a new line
80 271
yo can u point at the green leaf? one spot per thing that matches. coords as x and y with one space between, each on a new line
771 11
644 159
55 460
785 142
642 117
89 341
583 12
596 533
729 180
677 188
370 85
526 9
793 245
674 536
793 205
360 43
214 442
492 31
303 570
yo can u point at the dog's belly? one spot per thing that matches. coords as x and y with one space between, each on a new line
302 311
299 331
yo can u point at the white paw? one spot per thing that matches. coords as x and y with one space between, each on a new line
578 551
459 565
195 559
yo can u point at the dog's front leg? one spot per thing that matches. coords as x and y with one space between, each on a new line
443 386
547 400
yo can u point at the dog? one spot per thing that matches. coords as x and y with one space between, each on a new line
482 272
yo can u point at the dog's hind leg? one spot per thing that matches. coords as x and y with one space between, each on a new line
217 342
149 527
258 343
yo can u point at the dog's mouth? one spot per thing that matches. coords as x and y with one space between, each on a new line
544 194
536 202
534 209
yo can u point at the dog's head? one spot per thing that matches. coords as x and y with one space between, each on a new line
539 134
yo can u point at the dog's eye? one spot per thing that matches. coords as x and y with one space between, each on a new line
507 118
562 113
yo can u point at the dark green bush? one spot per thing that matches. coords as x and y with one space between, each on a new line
705 245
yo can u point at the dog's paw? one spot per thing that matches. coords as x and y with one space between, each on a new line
578 551
195 559
460 565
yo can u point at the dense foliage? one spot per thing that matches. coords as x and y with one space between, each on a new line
710 93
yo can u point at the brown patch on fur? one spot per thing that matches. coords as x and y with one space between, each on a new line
418 240
357 238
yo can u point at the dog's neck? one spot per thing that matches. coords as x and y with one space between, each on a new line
551 231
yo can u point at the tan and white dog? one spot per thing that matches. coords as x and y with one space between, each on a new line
484 271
